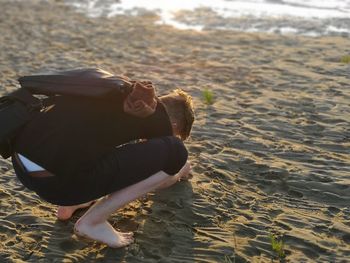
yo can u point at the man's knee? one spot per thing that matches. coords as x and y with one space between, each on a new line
177 155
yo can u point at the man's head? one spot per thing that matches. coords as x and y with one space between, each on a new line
180 110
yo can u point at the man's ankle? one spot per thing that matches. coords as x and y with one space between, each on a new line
87 219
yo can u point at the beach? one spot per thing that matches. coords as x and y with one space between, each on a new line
270 156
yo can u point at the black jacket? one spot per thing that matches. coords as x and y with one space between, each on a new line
72 133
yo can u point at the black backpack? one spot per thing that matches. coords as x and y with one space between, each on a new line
16 109
20 106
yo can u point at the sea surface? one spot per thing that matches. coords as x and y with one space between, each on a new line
305 17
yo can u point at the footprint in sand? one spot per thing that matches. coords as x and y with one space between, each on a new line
294 193
346 238
70 245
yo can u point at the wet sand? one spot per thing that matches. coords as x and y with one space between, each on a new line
270 156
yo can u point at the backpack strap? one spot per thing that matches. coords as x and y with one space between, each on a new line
25 97
90 82
16 109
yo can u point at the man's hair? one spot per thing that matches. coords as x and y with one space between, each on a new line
180 108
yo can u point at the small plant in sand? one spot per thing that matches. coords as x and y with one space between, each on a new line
345 59
277 246
208 96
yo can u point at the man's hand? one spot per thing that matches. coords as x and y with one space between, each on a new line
185 172
183 175
138 108
141 101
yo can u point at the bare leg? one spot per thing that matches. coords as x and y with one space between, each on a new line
183 174
66 212
94 225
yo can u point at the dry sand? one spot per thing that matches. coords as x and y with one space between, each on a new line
271 155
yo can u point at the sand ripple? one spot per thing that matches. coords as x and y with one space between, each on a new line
271 155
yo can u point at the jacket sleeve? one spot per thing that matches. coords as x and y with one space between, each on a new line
90 82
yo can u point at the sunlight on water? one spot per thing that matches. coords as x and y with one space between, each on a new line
323 14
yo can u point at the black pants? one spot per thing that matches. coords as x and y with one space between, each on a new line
124 166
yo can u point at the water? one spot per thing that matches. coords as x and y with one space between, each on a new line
305 17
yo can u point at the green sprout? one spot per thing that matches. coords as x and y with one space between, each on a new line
345 59
208 96
277 246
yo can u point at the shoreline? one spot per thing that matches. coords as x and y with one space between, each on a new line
270 17
269 155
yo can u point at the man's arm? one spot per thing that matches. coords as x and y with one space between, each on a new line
138 97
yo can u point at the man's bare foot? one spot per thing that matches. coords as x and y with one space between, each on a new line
66 212
104 233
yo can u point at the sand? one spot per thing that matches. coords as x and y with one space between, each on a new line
270 155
